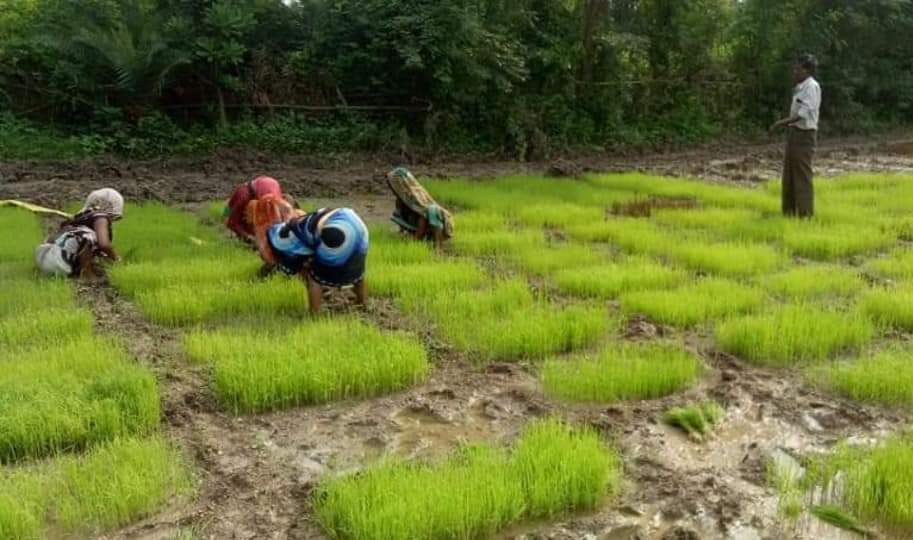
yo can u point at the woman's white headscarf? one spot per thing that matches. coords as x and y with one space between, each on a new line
105 200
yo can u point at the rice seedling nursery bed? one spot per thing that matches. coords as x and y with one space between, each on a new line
620 301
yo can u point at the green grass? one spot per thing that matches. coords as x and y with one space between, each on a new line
821 242
610 280
154 232
549 259
20 296
184 304
552 469
317 362
795 333
23 233
507 323
497 243
693 304
476 221
891 306
59 398
56 325
631 234
836 516
395 249
710 219
733 259
815 281
421 281
875 483
885 378
898 265
621 373
234 265
696 420
112 485
557 215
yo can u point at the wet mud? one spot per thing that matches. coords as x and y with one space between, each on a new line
256 473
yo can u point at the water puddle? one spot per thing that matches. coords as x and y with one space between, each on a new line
424 433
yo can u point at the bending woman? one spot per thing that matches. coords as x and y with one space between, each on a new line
236 211
71 250
327 248
417 213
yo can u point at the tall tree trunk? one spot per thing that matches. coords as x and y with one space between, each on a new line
223 117
593 11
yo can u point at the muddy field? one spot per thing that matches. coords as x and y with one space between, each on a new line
256 471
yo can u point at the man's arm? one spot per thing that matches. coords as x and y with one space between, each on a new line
100 225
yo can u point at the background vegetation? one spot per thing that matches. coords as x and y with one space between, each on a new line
523 78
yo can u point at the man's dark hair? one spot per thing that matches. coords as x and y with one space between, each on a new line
809 62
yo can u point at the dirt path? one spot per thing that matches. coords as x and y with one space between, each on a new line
210 178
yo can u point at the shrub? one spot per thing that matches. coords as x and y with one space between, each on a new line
794 333
693 304
314 363
619 373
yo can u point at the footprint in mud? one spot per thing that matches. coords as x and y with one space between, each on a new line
426 433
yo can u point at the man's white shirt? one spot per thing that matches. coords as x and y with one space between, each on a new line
806 104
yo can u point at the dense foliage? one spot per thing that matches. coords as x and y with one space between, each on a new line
527 78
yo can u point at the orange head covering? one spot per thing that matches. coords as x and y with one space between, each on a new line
263 213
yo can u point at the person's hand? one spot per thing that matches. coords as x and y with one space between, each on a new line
773 127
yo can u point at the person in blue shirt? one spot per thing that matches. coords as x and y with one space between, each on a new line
327 248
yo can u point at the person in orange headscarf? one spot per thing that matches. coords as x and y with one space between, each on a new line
236 213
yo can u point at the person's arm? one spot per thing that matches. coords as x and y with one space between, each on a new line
422 229
86 261
100 225
788 121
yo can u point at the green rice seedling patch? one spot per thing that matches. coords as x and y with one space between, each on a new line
885 377
186 304
815 281
897 265
110 486
553 469
507 323
727 258
690 305
497 243
890 306
794 333
607 281
153 232
557 256
874 483
48 326
557 215
21 296
22 233
232 266
697 420
821 242
621 373
478 221
631 234
316 362
392 248
59 398
710 219
836 516
426 280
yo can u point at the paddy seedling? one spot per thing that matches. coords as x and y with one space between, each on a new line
420 281
829 242
697 420
874 484
23 233
794 333
885 377
64 397
548 259
476 221
815 281
690 305
42 327
727 258
498 243
558 215
607 281
553 469
631 234
507 323
25 296
897 265
711 219
110 486
315 362
396 249
890 306
642 371
231 266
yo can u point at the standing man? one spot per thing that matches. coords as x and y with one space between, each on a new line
798 192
